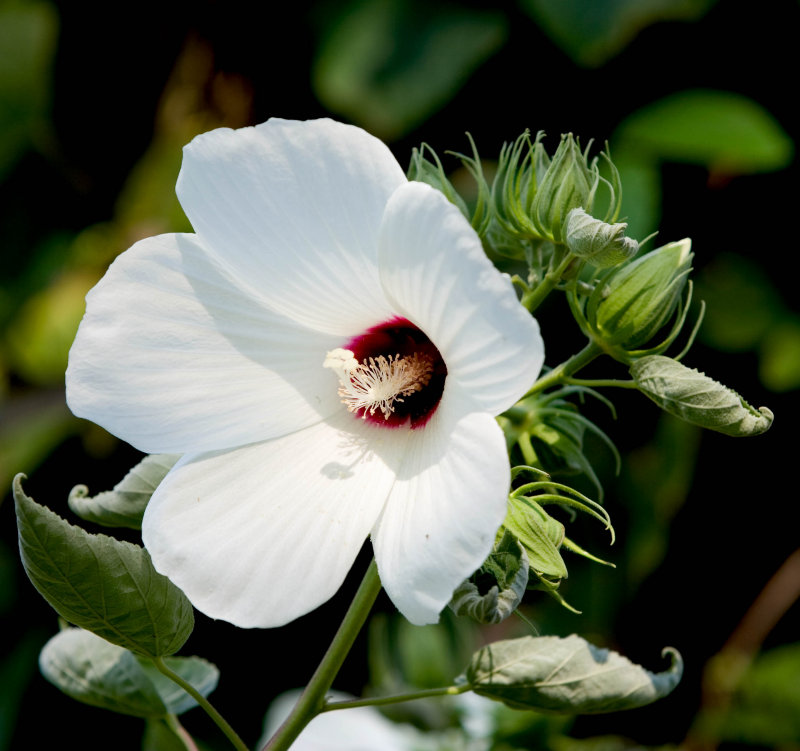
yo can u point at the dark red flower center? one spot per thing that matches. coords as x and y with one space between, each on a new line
399 377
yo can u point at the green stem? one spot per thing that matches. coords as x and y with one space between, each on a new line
377 701
561 373
220 721
533 299
600 382
180 731
312 700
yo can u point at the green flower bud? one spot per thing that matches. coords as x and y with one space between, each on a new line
696 398
637 299
601 244
568 183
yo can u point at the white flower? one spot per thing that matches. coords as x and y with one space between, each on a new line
246 347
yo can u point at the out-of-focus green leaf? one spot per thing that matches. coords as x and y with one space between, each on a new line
94 671
779 365
389 64
27 44
40 336
554 674
101 584
159 736
102 674
725 132
641 195
592 31
741 303
124 505
766 708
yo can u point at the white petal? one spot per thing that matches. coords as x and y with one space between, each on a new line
293 209
355 729
173 357
435 273
262 534
446 505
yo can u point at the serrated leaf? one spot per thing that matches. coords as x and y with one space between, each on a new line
94 671
566 675
101 584
124 505
696 398
202 674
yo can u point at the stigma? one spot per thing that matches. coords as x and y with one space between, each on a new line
378 383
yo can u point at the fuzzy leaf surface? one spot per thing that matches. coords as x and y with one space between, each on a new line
696 398
566 675
99 583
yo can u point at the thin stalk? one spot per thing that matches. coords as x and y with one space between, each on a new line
561 373
533 299
220 721
601 382
312 700
377 701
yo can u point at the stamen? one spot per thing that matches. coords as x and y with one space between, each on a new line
378 382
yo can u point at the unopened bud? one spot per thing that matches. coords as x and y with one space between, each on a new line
601 244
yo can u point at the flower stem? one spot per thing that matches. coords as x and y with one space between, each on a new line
533 299
312 700
560 374
220 721
377 701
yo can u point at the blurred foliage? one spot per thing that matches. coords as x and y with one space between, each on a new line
389 64
592 32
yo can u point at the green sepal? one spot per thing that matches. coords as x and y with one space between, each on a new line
507 570
430 171
96 672
104 585
539 534
566 675
124 505
694 397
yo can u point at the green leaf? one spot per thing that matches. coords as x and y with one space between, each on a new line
554 674
200 673
159 735
101 584
593 31
507 568
696 398
124 505
96 672
389 64
723 131
779 365
28 33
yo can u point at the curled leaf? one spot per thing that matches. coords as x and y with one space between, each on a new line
566 675
508 568
696 398
124 505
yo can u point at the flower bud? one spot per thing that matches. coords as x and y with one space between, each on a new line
567 184
601 244
424 170
637 299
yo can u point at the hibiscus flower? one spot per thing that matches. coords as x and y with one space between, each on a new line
328 353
